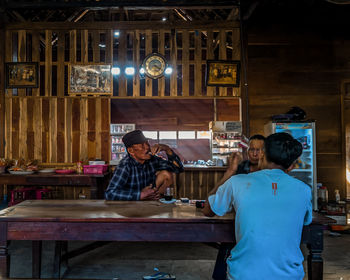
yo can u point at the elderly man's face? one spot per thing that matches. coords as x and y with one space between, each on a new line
255 151
140 152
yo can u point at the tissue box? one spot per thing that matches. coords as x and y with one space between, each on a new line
95 169
96 162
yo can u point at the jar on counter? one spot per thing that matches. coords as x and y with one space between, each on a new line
337 196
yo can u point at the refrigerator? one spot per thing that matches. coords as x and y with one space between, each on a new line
118 150
226 137
305 169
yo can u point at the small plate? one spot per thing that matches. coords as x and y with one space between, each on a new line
21 172
64 171
162 200
47 170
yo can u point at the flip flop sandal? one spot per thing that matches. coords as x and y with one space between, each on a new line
168 277
160 276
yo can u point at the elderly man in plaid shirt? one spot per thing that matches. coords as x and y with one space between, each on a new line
141 175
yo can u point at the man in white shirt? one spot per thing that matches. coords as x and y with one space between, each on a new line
271 209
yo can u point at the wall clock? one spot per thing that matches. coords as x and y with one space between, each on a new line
154 65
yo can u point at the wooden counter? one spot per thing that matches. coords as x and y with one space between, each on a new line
96 183
198 180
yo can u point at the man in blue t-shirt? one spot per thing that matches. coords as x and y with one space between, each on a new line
271 209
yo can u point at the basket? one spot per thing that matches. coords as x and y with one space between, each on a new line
95 169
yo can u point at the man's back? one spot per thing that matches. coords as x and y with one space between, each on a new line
271 209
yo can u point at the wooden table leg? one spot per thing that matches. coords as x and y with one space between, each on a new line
36 259
314 259
4 257
220 267
59 247
93 188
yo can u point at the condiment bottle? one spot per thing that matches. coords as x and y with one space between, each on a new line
337 195
79 167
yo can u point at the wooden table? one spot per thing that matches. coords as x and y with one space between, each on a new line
96 182
97 220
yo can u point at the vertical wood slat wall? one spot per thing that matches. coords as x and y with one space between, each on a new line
196 184
47 124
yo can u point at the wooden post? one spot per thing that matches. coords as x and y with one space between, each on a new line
137 62
173 59
4 257
2 94
148 50
222 56
60 63
22 55
197 63
122 63
211 91
185 63
161 81
36 56
48 63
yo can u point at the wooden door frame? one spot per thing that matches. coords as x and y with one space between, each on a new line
344 97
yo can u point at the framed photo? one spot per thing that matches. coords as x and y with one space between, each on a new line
90 79
223 73
22 75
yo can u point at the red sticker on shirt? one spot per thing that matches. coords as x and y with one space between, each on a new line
274 188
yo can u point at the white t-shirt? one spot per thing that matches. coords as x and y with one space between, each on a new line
271 208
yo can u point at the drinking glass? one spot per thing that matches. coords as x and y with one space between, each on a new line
168 193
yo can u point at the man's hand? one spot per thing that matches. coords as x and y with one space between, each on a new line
207 210
233 161
155 149
148 193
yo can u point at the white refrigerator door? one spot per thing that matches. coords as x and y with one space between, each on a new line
305 169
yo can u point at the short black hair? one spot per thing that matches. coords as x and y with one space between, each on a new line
281 148
257 137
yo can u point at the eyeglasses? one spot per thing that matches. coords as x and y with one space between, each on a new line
255 150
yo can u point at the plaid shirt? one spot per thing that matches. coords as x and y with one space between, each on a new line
130 176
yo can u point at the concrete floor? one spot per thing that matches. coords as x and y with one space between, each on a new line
130 261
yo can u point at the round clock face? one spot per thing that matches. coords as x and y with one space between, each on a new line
154 65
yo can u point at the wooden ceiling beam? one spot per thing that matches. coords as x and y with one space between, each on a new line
61 4
123 25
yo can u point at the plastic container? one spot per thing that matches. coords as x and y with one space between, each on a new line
96 162
95 169
337 196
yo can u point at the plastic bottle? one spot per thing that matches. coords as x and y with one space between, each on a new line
324 189
322 199
337 195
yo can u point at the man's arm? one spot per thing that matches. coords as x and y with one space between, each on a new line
308 215
173 164
234 161
222 201
207 210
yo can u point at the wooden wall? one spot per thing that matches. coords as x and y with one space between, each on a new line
46 123
196 184
303 67
57 129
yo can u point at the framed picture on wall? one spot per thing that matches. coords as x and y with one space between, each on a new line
90 79
223 73
22 75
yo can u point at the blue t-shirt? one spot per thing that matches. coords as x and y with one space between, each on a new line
271 208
